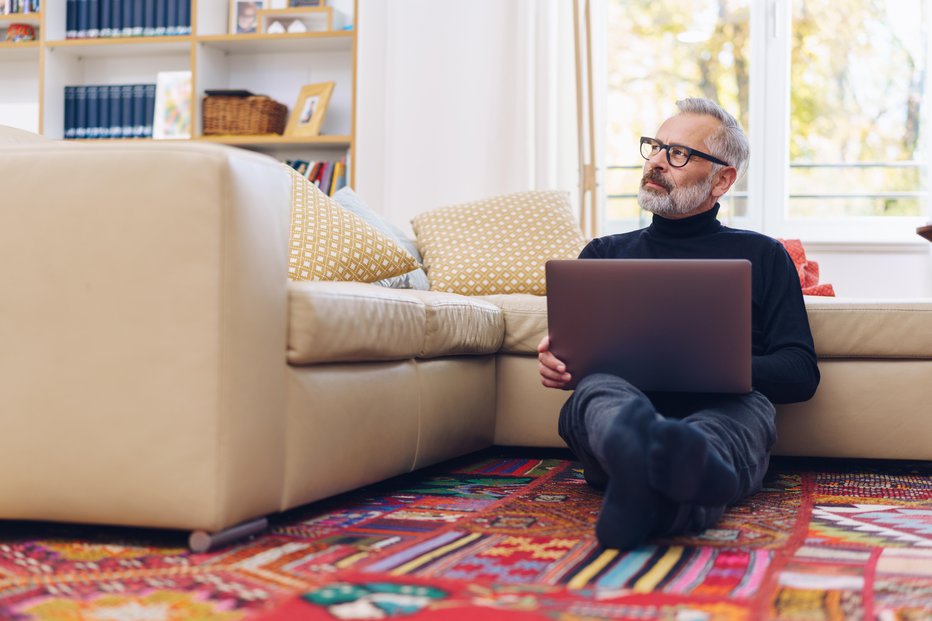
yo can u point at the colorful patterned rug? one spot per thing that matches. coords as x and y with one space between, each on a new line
506 535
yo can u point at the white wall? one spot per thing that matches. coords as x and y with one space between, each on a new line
454 104
875 272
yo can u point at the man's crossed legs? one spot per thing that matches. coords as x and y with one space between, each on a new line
665 474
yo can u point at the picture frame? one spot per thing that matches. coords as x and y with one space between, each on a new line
307 116
172 116
244 16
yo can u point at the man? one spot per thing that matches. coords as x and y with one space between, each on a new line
671 462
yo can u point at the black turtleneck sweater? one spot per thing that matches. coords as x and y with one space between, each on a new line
784 361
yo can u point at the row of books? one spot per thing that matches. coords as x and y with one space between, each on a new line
10 7
328 176
109 111
95 19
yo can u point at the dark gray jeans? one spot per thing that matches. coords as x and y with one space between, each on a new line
740 429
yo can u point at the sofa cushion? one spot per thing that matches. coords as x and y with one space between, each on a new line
498 245
355 322
851 328
525 321
841 328
415 279
330 243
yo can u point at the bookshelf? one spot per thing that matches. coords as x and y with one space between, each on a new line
33 75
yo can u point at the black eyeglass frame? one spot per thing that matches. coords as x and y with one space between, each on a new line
689 150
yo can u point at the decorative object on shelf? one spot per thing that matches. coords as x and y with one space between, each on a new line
244 16
302 19
308 113
172 105
275 27
242 113
20 32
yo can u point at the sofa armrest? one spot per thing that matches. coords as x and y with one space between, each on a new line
143 323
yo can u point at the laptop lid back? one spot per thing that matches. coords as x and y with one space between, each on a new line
662 324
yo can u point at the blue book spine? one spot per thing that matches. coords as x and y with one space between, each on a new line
161 21
116 18
171 17
139 110
103 103
106 18
93 19
127 27
83 19
184 17
126 113
150 110
148 23
139 17
80 120
71 19
69 113
116 109
93 118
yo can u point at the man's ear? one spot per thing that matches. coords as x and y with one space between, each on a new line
724 179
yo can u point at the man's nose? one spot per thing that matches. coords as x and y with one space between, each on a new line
658 160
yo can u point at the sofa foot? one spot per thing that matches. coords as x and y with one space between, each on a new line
202 541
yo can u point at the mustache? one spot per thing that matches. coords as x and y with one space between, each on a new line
654 176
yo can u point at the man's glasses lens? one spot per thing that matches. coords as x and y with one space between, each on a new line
676 156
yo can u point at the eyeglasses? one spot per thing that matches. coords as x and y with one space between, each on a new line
677 155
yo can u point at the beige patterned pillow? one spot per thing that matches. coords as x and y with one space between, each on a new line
330 243
498 245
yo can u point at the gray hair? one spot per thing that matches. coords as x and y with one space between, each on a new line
728 142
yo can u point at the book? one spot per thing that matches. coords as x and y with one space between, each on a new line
172 112
103 111
93 19
83 18
116 18
116 110
139 110
171 17
106 18
69 113
184 17
71 19
92 128
126 24
150 110
80 117
139 17
126 110
161 21
148 22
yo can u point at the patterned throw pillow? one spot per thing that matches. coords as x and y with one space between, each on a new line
498 245
330 243
415 279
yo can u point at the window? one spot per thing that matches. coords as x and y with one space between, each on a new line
832 94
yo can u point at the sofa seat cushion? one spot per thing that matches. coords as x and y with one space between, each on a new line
525 321
841 328
876 328
359 322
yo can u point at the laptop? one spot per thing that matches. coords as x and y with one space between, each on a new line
662 324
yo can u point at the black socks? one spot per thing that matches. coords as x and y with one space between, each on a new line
630 507
651 465
682 468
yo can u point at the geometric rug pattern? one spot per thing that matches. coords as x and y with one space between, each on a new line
506 534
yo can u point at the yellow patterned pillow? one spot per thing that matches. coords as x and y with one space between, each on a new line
498 245
330 243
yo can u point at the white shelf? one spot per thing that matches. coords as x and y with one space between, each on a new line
24 50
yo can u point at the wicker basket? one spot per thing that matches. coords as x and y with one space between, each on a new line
257 114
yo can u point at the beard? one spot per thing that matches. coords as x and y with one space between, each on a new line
677 201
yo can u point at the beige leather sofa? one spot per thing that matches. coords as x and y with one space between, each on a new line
157 368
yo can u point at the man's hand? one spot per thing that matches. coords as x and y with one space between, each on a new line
552 371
